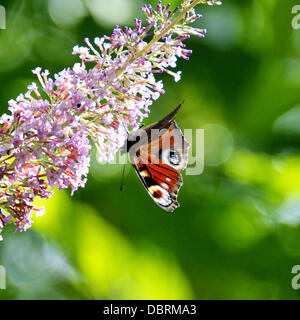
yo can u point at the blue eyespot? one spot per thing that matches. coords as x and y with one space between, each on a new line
174 157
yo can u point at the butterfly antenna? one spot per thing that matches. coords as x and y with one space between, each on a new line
122 181
126 130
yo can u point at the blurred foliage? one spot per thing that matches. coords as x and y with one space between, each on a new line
237 232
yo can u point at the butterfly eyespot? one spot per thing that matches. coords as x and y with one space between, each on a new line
170 156
174 157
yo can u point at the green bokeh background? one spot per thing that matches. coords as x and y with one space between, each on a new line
237 232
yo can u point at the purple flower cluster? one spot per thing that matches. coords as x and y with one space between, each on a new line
45 141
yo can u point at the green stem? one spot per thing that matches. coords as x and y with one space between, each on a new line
159 36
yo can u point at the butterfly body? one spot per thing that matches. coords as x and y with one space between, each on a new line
158 153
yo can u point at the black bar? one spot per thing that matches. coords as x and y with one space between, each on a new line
147 309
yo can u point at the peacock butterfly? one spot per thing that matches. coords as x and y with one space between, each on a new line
158 153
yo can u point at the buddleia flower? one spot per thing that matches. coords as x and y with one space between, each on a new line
45 139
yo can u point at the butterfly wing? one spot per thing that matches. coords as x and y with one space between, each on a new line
158 164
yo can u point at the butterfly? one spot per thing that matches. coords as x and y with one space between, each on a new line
158 153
